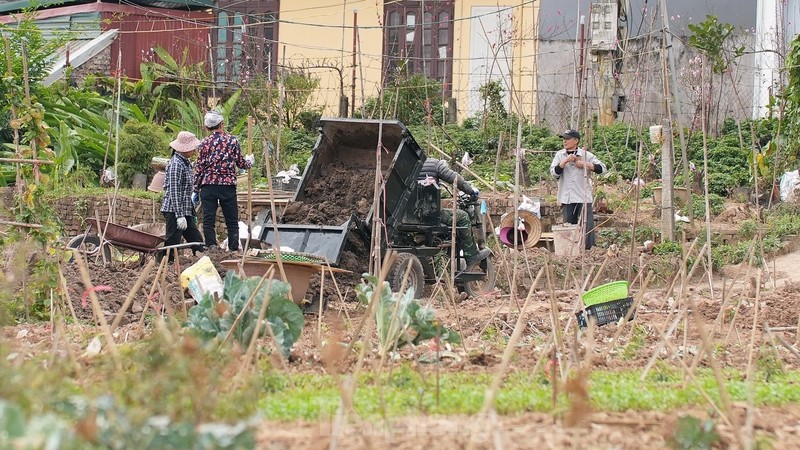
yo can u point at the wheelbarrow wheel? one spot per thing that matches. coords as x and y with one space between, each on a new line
89 244
479 287
397 272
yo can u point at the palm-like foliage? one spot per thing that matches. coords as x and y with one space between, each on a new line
190 117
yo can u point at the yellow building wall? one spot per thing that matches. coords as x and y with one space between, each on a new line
320 33
510 24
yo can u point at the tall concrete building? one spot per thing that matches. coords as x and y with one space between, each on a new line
763 27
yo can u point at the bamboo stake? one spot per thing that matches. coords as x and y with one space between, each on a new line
63 285
249 188
267 275
748 421
720 378
375 232
281 94
705 171
277 247
20 224
10 74
797 334
725 415
727 295
28 161
488 403
87 282
132 293
557 338
321 301
452 303
338 291
597 275
262 312
781 340
662 342
497 156
26 81
160 270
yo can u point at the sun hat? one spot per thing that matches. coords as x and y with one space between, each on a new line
212 119
571 134
185 142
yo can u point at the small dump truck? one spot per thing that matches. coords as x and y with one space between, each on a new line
332 207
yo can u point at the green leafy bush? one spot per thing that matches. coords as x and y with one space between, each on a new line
401 319
715 202
667 248
138 144
692 433
618 147
212 320
408 99
107 425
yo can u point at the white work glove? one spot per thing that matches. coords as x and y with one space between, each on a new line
250 159
181 223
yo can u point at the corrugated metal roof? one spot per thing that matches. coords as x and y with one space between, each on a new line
7 6
80 26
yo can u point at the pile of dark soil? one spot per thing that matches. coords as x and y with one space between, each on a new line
330 199
120 277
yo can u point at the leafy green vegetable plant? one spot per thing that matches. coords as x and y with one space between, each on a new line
400 319
692 433
213 320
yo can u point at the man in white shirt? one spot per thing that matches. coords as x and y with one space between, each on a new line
572 167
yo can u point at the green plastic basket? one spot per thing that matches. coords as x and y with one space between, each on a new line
605 293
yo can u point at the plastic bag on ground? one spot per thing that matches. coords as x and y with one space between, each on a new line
202 278
788 181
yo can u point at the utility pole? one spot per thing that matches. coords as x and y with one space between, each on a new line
355 66
667 194
609 31
673 107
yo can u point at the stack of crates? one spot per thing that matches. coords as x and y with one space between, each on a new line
605 304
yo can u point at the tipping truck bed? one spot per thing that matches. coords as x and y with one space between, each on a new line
336 191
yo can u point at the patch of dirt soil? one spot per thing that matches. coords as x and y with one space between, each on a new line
625 430
114 281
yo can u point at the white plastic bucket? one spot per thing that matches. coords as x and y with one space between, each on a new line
567 240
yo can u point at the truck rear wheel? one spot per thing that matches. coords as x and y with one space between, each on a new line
480 287
416 277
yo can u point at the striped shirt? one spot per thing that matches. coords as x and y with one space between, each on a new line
218 156
178 187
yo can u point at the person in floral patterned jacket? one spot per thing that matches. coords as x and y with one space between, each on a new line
218 160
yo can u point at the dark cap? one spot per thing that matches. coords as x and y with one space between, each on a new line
571 134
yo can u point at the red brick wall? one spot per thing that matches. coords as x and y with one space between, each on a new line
73 212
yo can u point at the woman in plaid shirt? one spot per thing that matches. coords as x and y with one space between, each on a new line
178 208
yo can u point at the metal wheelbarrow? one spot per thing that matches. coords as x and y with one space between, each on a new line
103 235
